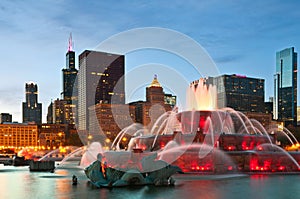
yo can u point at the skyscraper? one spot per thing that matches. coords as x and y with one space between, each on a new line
69 76
245 94
285 87
100 80
32 110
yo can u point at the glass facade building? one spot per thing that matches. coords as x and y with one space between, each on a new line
285 86
100 80
245 94
67 114
69 78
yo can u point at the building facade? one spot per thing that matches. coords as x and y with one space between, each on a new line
70 91
61 112
147 112
18 135
53 135
100 81
245 94
69 76
109 120
32 110
5 117
285 87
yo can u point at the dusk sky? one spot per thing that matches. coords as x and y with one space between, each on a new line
241 37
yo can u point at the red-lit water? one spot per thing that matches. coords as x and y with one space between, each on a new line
18 182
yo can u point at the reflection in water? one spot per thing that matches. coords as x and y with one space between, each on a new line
18 182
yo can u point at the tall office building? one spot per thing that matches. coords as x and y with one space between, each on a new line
100 80
63 111
69 76
32 110
245 94
285 87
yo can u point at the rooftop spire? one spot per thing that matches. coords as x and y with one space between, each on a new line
70 47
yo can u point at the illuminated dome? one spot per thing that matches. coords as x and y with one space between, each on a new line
155 82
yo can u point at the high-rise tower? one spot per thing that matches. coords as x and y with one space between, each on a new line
285 86
245 94
69 76
32 110
100 80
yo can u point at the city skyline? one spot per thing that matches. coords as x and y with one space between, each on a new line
241 37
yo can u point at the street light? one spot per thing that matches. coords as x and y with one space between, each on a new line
90 137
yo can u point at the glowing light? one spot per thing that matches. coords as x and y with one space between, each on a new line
202 121
281 168
162 145
70 47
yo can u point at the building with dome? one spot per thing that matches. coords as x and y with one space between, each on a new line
157 103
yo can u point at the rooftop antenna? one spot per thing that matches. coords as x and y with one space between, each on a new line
70 46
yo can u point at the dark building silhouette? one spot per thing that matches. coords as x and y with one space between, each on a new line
100 81
69 76
245 94
32 110
269 106
63 111
285 87
5 117
50 113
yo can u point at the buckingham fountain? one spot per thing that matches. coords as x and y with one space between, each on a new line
199 140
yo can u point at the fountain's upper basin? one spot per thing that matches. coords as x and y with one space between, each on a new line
225 142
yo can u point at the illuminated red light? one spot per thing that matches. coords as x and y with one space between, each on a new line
202 121
281 168
162 145
230 168
231 148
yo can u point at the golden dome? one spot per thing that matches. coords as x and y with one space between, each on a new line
155 82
